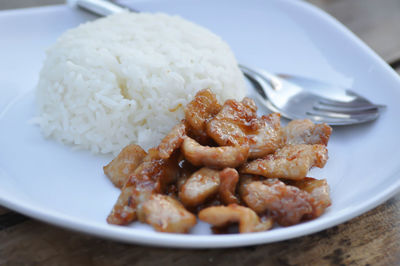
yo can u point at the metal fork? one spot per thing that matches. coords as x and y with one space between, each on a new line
293 97
298 98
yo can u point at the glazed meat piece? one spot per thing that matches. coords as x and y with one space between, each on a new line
286 204
124 210
217 157
265 135
319 192
306 132
166 214
220 216
186 169
172 141
119 169
150 177
237 124
200 186
228 127
229 178
244 181
203 107
290 162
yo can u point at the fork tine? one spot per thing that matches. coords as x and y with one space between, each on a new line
336 121
357 103
342 118
347 108
331 121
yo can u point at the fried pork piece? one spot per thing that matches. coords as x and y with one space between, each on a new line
306 132
229 178
265 135
237 124
202 108
186 169
166 214
172 141
286 204
217 157
220 216
150 177
228 127
319 192
119 169
289 162
200 186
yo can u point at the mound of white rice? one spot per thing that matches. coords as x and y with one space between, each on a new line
126 79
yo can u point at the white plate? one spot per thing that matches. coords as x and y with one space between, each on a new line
53 183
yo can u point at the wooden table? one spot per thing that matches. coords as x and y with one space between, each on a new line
370 239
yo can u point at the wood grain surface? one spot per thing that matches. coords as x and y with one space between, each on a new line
370 239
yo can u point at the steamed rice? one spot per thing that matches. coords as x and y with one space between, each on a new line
126 79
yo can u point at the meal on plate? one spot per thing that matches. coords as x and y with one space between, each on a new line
226 165
126 79
119 84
